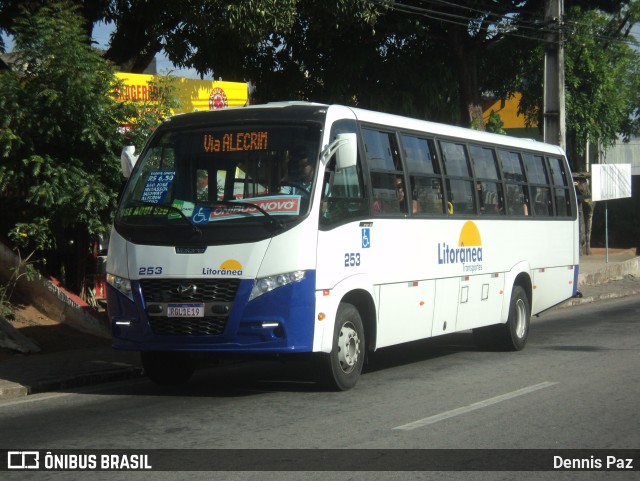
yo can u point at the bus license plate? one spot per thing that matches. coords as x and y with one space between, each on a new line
185 310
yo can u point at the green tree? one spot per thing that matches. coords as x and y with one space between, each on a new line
189 32
59 141
602 81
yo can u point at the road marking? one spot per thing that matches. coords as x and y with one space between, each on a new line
472 407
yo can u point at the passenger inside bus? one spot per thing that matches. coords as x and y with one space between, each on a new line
517 202
402 201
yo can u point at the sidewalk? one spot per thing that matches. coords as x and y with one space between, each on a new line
23 375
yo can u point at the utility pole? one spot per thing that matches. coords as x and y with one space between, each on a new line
553 102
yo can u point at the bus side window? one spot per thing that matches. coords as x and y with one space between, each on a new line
460 197
517 200
560 190
428 194
517 195
491 198
460 187
387 178
541 203
424 175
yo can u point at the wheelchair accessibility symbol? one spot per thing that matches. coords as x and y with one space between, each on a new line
366 238
201 215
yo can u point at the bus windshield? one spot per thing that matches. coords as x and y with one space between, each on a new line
210 177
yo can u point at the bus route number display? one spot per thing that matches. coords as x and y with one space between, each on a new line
235 142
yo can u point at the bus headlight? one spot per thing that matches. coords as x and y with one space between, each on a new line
121 284
263 285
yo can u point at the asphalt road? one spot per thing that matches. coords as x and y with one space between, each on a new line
575 386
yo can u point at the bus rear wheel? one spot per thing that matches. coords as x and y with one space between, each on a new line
168 368
511 336
341 368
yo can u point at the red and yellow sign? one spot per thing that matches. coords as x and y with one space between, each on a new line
193 94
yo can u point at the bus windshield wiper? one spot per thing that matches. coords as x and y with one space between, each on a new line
170 208
237 203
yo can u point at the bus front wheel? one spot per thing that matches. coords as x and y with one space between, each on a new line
341 368
168 368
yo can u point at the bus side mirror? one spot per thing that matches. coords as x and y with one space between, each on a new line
347 151
128 160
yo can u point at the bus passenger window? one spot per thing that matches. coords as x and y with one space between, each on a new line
381 151
563 205
484 162
541 201
511 165
455 159
460 197
490 198
419 155
388 194
428 195
517 200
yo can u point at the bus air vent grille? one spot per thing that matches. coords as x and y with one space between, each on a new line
208 291
189 290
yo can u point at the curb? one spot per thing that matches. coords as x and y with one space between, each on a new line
10 390
599 297
86 379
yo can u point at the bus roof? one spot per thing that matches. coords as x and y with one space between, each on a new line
453 131
299 111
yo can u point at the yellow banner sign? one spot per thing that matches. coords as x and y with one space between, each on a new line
193 94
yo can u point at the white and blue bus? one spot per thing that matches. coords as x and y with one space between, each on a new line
298 228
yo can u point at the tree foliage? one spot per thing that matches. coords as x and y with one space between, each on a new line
59 176
602 80
355 53
427 59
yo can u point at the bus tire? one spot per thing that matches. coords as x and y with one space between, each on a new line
511 336
168 368
341 368
516 330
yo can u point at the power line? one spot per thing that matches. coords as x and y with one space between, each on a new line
507 19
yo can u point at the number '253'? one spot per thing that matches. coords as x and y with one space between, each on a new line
352 259
149 271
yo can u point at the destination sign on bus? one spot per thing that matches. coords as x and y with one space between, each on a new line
235 142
